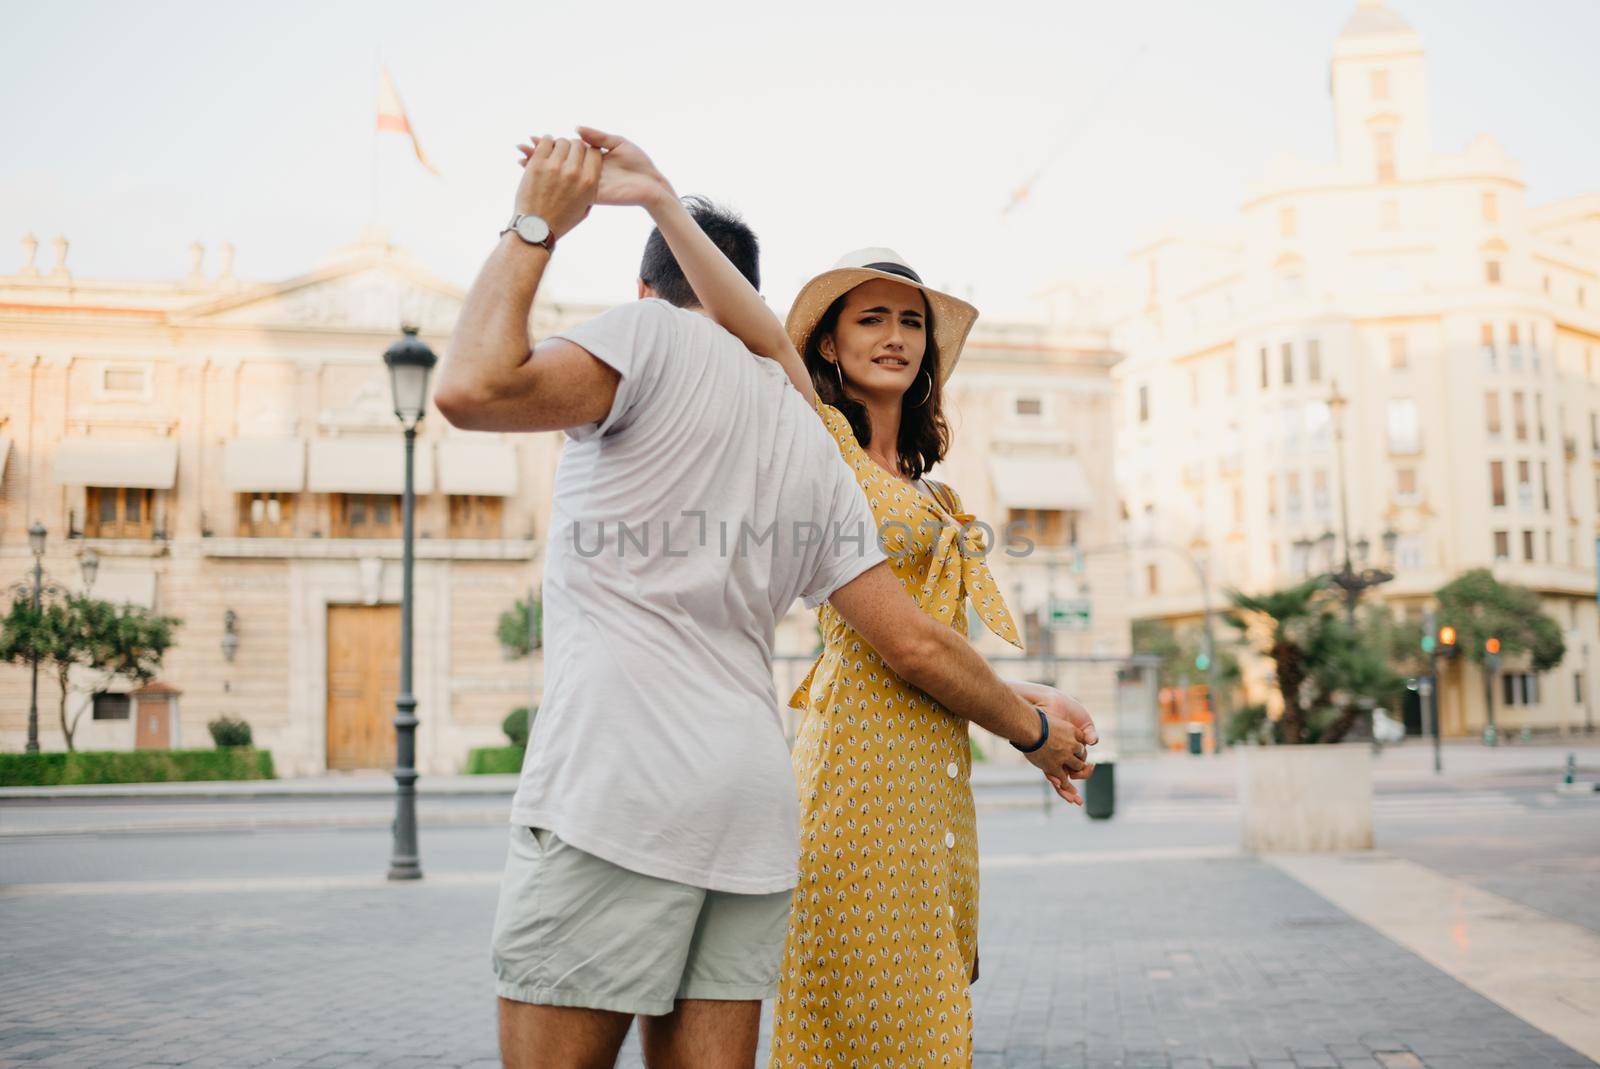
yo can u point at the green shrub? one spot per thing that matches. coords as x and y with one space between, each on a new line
228 731
494 760
515 726
137 766
1249 724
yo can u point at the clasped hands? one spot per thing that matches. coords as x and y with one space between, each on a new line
562 178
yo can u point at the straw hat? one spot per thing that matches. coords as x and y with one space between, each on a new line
952 317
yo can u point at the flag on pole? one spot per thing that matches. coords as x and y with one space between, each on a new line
392 117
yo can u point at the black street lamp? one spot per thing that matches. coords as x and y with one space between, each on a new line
409 361
1348 577
36 591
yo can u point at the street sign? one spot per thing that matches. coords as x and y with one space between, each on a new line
1071 614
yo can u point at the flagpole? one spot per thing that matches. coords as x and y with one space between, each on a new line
377 57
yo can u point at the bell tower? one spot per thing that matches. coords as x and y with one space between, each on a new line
1379 83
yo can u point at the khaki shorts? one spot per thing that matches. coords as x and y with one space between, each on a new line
574 930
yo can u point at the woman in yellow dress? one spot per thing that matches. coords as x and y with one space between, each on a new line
882 941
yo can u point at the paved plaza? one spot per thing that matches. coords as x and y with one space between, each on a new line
1143 941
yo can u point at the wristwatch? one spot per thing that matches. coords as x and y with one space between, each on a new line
532 229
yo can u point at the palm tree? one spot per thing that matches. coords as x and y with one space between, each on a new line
1287 619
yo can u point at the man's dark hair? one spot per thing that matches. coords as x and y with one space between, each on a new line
660 271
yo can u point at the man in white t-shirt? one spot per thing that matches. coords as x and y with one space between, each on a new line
655 839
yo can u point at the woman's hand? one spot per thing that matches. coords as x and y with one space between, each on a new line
627 177
1064 712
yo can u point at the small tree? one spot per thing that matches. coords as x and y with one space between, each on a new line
123 641
1285 622
1481 607
521 628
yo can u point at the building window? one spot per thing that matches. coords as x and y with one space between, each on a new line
1029 406
1150 577
366 516
1044 527
1266 369
1502 545
1491 412
1238 506
1487 341
1288 225
1405 483
475 516
1144 403
1577 688
1408 552
1497 484
1489 207
1538 414
1491 272
1287 350
123 381
1379 84
266 515
1519 688
1313 359
1319 493
1404 431
1272 494
1383 154
108 706
1513 346
1519 416
1389 215
1291 493
1397 352
119 512
1524 486
1527 546
1549 548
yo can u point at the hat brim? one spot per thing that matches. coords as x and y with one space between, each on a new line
952 317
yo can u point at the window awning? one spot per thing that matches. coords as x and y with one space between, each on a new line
146 463
1041 483
474 465
365 465
264 465
5 453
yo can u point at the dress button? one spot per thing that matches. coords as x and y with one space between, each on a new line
951 770
950 839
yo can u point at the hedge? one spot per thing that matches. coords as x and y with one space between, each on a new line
494 760
137 766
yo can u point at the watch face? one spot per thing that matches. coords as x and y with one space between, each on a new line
532 229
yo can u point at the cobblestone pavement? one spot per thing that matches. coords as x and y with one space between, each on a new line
1132 956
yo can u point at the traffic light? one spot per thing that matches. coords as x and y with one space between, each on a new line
1447 639
1202 662
1491 646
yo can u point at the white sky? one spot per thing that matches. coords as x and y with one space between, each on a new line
135 129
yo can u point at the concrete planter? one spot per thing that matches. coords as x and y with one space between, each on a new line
1306 799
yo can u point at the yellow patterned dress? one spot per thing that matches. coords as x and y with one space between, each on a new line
884 933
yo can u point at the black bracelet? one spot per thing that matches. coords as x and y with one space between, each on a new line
1044 733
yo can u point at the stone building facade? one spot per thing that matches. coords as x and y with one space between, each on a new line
230 452
1461 325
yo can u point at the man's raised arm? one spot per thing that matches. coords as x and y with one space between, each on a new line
492 378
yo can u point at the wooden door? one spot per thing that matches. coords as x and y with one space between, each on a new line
363 681
153 731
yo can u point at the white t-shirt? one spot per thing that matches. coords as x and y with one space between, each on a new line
684 525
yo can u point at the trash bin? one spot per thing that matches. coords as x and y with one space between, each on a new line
1100 791
1197 738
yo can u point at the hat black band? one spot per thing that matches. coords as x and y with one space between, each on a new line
896 269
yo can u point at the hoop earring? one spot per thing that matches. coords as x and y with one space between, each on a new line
925 394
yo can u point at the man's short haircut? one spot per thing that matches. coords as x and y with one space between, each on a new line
660 271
